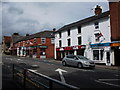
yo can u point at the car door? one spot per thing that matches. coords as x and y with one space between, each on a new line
72 60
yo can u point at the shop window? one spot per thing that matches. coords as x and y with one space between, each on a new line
52 40
60 43
43 40
96 25
68 31
79 40
79 29
69 42
42 52
101 54
98 54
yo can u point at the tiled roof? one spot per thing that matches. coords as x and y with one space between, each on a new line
43 34
83 21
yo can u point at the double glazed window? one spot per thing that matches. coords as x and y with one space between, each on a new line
98 54
43 40
68 32
79 40
96 25
69 42
60 43
52 40
79 29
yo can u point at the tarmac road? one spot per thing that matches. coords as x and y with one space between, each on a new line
82 78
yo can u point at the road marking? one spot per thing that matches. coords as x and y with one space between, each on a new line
108 79
117 75
61 75
19 59
107 83
32 70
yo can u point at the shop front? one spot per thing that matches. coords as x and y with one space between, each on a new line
101 53
43 51
75 50
115 46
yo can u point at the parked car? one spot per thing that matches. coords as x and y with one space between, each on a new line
77 60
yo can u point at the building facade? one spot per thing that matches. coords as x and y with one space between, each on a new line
39 45
6 41
91 37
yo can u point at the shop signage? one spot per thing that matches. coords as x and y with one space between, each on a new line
75 47
71 48
100 45
33 46
61 49
115 44
43 46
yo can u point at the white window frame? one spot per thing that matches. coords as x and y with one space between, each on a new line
52 40
43 40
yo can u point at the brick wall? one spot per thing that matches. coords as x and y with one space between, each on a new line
115 20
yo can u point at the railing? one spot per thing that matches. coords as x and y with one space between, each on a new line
29 79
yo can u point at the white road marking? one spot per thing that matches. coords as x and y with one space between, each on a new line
32 70
108 79
107 83
61 75
19 59
117 75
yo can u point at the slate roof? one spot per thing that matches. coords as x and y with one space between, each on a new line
43 34
83 21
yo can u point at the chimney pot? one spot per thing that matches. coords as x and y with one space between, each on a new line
98 10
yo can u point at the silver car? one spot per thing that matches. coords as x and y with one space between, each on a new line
77 60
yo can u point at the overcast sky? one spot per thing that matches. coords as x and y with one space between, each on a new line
32 17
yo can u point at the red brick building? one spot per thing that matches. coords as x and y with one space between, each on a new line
6 44
39 45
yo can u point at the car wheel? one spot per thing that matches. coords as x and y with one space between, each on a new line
64 63
79 65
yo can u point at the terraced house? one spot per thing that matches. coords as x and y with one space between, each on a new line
39 45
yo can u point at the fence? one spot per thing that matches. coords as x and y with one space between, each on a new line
29 79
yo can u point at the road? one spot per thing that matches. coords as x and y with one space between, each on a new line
82 78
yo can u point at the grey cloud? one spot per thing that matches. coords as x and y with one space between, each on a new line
34 17
14 10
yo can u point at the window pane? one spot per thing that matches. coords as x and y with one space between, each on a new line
79 40
69 42
68 32
101 54
79 29
96 54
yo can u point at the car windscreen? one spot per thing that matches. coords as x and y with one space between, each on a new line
82 57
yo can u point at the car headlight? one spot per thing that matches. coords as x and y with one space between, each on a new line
86 62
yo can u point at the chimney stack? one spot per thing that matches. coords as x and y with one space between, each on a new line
54 29
98 10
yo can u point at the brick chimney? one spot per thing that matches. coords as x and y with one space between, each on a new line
98 10
54 29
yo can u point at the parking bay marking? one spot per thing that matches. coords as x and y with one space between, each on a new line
61 75
103 81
